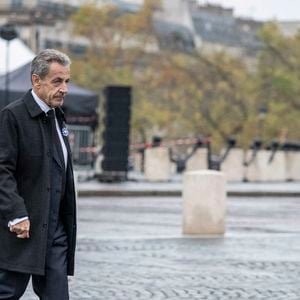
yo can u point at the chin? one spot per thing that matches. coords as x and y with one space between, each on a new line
58 103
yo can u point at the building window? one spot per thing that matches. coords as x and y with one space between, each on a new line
16 4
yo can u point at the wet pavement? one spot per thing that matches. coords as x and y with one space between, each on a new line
132 248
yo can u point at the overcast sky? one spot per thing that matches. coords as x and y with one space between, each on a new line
286 10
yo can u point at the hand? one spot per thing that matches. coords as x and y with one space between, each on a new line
21 229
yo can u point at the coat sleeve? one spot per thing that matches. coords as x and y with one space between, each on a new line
11 203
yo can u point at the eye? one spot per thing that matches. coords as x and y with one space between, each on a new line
56 81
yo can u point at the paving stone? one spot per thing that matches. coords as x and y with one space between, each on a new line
131 249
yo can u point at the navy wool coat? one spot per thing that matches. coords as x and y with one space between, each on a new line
25 180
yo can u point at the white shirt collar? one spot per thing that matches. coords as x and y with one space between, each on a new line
44 107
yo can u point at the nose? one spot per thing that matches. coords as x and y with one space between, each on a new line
64 88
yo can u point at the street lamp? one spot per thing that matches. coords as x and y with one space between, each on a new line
8 33
261 117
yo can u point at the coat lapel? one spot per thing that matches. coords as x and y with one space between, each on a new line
56 157
33 108
63 129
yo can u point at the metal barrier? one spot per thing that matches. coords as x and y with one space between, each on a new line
81 142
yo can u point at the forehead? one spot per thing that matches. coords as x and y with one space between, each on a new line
58 70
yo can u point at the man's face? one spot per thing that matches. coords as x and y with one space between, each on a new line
54 86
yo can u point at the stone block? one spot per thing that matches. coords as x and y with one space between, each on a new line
198 161
157 164
233 165
137 161
261 169
173 166
292 165
204 202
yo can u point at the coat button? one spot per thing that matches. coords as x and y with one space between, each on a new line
48 153
48 189
45 225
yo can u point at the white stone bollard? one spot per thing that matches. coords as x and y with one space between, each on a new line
137 161
204 202
276 170
157 164
233 165
254 170
293 165
198 161
173 166
261 170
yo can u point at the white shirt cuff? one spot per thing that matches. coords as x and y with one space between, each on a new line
16 221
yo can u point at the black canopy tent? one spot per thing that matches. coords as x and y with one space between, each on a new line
80 105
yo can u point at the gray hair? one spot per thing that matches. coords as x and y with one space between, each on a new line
41 63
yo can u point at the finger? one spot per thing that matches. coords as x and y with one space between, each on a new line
24 235
17 230
20 228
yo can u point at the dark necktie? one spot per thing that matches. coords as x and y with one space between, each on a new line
55 138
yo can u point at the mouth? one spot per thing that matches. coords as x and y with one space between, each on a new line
60 98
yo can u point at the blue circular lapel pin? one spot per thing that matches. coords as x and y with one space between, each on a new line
65 131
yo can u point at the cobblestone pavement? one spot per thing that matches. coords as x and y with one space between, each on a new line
132 248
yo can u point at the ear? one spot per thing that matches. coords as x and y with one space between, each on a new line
36 82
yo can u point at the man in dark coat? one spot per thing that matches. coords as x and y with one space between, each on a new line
37 195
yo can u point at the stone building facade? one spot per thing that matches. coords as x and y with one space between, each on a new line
180 24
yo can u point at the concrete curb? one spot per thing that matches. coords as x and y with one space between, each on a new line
264 193
177 193
127 193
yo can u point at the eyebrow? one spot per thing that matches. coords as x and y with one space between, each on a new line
60 79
